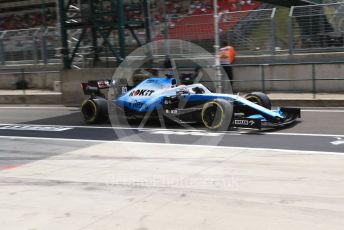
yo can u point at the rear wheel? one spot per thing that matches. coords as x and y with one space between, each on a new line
259 98
217 115
94 110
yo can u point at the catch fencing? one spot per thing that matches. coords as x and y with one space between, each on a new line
316 28
33 46
249 31
198 29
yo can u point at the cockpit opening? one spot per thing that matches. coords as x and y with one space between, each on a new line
198 90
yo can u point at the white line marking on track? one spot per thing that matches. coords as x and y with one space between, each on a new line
266 150
322 111
339 141
183 133
40 107
34 128
190 130
306 134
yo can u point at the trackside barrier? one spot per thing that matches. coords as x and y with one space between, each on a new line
314 82
300 77
21 79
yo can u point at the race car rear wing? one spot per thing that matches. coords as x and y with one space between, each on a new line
94 87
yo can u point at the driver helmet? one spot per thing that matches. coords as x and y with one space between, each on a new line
169 75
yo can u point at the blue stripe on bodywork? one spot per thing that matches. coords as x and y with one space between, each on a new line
162 88
240 100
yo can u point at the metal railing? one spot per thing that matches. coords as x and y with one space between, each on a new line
313 79
297 77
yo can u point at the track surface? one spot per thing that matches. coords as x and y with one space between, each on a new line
58 173
318 130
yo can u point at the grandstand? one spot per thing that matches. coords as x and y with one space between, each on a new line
28 28
198 24
27 14
188 19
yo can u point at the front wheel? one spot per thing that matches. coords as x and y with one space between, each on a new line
259 98
217 115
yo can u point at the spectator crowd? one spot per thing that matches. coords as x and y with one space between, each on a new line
175 9
30 19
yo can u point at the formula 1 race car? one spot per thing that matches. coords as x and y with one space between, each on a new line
163 98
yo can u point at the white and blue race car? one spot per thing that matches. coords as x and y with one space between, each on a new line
163 99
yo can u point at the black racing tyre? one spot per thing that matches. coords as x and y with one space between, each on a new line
259 98
95 110
217 115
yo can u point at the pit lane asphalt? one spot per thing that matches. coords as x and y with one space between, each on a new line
320 130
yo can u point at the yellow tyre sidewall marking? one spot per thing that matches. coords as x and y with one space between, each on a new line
95 110
259 101
206 105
